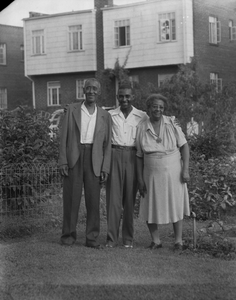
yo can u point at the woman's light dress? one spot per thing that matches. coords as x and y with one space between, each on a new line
167 198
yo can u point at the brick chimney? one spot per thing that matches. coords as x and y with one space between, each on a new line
98 4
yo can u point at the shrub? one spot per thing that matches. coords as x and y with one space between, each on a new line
213 187
25 138
26 149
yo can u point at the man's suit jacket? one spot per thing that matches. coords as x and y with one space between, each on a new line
70 146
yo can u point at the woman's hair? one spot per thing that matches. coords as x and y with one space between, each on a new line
152 97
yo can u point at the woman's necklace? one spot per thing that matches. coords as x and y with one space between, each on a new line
156 128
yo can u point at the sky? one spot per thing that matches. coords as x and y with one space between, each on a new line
19 9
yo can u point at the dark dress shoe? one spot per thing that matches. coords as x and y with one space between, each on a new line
98 247
154 246
178 247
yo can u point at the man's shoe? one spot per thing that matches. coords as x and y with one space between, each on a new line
67 241
98 247
109 245
128 246
154 246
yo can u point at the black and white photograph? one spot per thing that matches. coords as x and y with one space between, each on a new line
118 150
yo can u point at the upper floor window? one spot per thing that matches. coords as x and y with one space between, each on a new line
3 59
216 81
3 98
122 33
75 38
167 27
232 31
38 45
54 94
79 89
214 30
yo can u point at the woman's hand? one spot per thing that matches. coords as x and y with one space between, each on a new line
185 176
103 177
142 188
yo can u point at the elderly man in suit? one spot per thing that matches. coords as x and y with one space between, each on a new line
84 160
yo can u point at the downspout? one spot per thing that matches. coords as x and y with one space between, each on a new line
184 22
25 67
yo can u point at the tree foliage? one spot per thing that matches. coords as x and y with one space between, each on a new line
25 138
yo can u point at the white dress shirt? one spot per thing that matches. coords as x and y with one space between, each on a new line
124 129
88 123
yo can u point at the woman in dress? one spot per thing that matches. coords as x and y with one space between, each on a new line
163 171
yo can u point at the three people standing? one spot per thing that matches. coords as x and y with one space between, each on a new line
95 143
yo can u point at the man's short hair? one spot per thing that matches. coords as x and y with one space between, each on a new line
126 84
87 81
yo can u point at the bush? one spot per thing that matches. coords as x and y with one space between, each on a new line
25 138
213 187
28 158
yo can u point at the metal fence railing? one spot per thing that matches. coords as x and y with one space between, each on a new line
30 192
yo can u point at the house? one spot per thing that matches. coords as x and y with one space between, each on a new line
152 38
15 88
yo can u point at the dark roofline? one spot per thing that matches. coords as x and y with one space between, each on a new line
44 16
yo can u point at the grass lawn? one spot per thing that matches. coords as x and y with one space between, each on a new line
38 267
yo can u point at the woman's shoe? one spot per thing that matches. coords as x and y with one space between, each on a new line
154 246
178 246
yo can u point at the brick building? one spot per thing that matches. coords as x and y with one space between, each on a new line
15 88
154 37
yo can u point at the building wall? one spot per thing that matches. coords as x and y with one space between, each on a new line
210 58
57 58
68 88
145 49
12 77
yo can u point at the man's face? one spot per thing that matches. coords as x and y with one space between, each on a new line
91 91
125 98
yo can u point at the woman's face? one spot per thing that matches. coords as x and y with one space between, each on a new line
156 109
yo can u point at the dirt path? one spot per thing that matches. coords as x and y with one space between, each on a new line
38 267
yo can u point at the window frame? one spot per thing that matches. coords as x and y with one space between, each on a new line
4 54
214 30
171 29
34 39
3 94
215 80
77 87
118 34
57 86
79 32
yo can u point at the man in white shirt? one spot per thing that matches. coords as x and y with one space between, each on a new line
122 182
84 160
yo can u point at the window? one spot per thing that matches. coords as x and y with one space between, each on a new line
122 33
214 30
38 46
163 77
3 59
75 38
232 31
3 98
216 81
79 89
54 95
22 52
134 79
167 27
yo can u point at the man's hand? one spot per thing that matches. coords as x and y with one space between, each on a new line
177 122
65 108
103 177
64 170
142 188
